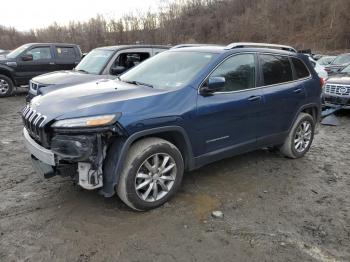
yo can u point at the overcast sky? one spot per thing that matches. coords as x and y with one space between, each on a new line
28 14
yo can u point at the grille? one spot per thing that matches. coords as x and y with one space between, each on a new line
34 122
340 90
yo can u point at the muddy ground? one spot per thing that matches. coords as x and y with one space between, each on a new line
275 209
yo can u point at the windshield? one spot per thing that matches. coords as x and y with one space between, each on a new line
346 69
169 69
341 59
17 51
325 60
95 61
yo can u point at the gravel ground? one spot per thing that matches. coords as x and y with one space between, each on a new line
275 209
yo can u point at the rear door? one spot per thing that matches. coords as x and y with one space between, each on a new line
283 97
66 57
228 119
43 62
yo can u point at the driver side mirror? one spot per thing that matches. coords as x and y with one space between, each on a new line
212 85
118 70
27 57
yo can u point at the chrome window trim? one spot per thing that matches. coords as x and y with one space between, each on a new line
259 87
230 56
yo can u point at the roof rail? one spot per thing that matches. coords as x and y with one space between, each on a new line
263 45
190 45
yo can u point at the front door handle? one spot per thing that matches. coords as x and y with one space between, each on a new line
297 91
52 63
254 98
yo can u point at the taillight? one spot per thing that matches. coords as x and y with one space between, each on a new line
322 82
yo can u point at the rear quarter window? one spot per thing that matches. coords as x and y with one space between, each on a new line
65 52
276 69
300 68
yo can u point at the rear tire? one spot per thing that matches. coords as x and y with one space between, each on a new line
300 137
151 175
6 86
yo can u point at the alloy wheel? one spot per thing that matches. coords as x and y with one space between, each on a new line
4 86
155 177
303 136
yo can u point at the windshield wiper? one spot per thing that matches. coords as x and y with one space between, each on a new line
135 83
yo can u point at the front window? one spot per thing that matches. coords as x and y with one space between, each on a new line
341 59
95 61
169 69
40 53
239 72
17 51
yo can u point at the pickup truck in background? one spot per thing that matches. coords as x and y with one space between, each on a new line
100 63
30 60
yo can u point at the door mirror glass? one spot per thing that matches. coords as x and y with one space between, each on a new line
213 84
117 70
27 57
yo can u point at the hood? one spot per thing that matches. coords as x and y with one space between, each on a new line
93 98
66 78
4 59
340 79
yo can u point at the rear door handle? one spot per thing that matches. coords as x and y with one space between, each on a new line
297 91
254 98
52 63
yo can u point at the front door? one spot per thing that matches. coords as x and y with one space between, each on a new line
42 63
228 119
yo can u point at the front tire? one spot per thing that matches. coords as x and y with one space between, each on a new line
151 175
6 86
300 137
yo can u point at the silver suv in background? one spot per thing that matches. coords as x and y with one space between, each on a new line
100 63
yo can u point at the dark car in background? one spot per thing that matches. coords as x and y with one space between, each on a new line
177 111
337 89
101 63
340 62
30 60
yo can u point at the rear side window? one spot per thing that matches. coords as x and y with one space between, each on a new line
300 69
65 52
239 72
276 69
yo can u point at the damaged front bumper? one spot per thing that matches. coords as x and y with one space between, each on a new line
79 156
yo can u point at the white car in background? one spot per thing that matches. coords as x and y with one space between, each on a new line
320 69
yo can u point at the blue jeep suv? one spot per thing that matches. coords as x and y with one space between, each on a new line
177 111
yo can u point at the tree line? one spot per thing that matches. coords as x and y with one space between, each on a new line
316 24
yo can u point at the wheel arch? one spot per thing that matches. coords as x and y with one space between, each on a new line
4 71
120 147
312 109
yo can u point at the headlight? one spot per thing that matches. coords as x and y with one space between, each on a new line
90 121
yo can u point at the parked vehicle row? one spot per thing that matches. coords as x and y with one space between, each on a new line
101 63
135 135
30 60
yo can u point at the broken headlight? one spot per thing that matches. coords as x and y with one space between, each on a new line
90 121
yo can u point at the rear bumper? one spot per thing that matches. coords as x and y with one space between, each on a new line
44 155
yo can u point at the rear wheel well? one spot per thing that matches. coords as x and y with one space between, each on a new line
312 111
177 139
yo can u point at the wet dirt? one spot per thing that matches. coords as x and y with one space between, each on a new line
275 209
